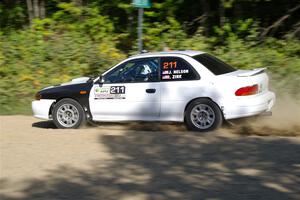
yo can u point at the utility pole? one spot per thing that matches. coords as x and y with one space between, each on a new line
141 4
140 29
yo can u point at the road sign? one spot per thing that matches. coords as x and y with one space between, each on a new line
141 3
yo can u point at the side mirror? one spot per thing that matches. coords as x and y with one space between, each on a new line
101 79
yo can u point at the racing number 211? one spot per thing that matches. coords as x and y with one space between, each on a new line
117 90
169 65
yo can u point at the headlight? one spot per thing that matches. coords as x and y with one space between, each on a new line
38 96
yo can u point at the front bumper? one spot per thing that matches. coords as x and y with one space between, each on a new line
41 108
249 105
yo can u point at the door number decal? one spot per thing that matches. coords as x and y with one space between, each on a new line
110 92
117 90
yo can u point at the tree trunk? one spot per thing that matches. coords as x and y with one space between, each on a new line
30 11
36 10
42 9
222 14
9 3
206 13
78 2
271 29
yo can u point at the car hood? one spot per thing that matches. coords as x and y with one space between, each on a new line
74 81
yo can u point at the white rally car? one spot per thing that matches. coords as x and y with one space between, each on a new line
183 86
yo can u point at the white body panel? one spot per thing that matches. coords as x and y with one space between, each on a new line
248 105
176 95
243 106
40 108
136 105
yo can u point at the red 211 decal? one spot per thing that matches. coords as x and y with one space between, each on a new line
169 65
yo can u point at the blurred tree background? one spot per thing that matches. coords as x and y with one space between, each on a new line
46 42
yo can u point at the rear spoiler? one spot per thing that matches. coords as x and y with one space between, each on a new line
253 72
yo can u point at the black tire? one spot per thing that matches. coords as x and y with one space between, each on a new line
205 110
67 109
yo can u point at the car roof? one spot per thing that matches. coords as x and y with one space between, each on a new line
186 52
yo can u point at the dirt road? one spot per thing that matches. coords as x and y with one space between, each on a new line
127 162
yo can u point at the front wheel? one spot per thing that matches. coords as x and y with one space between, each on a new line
203 115
68 113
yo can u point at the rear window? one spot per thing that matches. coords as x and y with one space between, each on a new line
214 64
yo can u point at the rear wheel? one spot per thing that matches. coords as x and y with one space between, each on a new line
203 115
68 113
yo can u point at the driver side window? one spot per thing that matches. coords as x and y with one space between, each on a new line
134 71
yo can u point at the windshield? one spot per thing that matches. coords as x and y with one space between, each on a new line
214 64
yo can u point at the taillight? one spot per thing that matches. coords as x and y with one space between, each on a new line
248 90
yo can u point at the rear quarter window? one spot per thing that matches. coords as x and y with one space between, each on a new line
213 64
177 69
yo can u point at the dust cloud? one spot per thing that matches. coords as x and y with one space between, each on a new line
285 120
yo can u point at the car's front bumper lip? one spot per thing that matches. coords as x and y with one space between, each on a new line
41 108
245 107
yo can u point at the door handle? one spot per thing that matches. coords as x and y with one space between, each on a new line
152 90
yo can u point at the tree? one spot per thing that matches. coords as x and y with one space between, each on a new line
36 9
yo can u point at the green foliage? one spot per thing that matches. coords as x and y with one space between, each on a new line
12 17
160 35
242 29
53 51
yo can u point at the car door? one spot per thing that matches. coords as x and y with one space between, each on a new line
131 91
179 84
